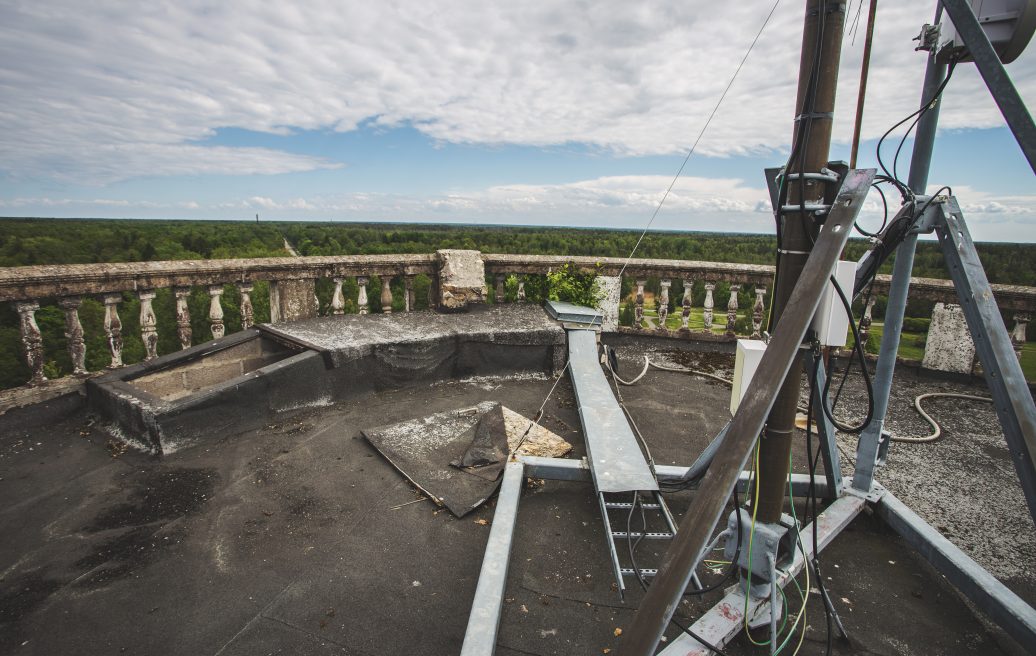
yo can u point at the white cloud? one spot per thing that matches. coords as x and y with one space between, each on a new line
101 91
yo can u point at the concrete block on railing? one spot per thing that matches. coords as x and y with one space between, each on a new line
949 346
610 288
462 279
292 300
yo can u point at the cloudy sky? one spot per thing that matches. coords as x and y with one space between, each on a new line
563 113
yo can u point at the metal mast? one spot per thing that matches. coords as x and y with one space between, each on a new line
818 77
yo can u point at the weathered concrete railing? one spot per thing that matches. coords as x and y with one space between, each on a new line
688 272
292 294
293 283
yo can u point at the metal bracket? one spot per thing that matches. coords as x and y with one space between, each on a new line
770 541
834 173
884 442
928 39
926 222
874 496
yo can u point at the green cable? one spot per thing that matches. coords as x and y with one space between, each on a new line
751 540
805 562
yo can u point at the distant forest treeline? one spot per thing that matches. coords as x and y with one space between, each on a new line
68 241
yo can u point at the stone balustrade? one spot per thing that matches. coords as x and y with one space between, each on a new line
292 285
688 272
292 295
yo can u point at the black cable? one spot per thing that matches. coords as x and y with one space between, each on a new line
895 159
630 545
811 496
885 244
697 637
884 220
905 192
863 367
733 561
924 108
852 354
931 199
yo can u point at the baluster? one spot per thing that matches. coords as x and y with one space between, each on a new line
337 298
113 328
247 311
183 317
386 294
1021 320
662 305
361 299
732 308
216 312
32 340
521 289
709 304
74 333
500 290
638 306
148 325
688 300
865 322
757 313
408 293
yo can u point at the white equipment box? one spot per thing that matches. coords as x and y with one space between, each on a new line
746 360
831 321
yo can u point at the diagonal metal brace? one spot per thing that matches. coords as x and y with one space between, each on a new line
995 76
1011 396
697 524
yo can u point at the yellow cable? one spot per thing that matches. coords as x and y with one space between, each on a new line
805 564
751 541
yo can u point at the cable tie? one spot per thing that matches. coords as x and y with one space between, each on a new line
816 208
827 115
785 251
834 8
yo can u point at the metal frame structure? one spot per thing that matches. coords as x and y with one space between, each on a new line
1012 400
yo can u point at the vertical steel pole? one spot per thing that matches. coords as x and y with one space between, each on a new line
920 162
821 39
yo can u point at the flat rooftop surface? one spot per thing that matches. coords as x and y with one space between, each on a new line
298 538
350 336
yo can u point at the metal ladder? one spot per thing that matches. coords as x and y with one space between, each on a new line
658 508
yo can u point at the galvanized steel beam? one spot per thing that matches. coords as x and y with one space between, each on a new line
484 620
616 461
697 525
991 596
825 430
1011 396
568 469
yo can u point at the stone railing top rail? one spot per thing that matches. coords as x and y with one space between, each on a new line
611 266
33 282
1008 297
